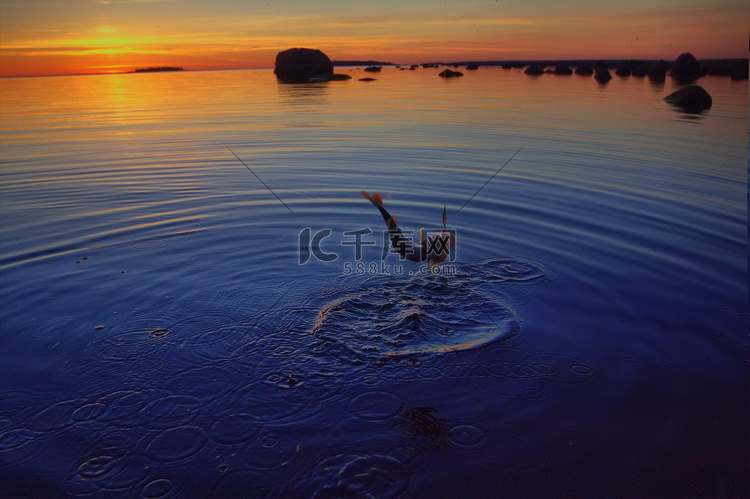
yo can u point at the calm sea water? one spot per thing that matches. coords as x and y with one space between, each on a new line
163 336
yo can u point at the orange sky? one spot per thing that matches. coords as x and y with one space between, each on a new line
42 37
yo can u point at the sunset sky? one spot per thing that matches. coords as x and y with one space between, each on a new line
101 36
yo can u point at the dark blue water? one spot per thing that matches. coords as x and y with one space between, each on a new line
160 336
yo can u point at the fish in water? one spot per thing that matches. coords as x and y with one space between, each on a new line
433 249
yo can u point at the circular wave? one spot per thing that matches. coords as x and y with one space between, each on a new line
371 475
507 270
421 315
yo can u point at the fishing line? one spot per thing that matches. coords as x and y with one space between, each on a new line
493 176
259 179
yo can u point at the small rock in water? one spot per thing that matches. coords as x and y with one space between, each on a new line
534 70
623 70
658 71
738 73
562 69
450 73
603 75
330 77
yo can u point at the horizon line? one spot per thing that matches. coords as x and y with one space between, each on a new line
527 62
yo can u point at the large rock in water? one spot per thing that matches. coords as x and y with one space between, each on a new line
686 68
299 65
693 99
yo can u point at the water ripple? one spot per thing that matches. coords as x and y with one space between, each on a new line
422 315
360 476
176 444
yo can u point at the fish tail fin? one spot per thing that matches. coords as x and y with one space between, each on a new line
375 199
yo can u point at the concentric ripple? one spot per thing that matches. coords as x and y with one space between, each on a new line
417 316
360 476
466 436
507 270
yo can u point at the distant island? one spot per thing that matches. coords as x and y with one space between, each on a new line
156 69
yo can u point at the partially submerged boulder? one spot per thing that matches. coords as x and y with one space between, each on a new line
736 69
686 68
658 71
739 73
562 69
534 70
602 75
450 73
692 99
300 65
330 77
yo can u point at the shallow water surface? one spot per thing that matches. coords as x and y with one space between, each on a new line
167 328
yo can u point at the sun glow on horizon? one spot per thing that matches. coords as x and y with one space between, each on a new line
105 36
